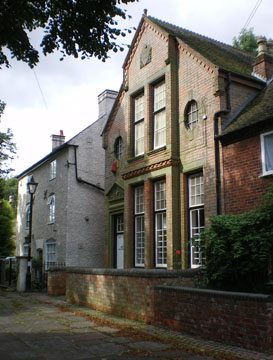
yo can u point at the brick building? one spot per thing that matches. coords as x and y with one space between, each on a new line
164 161
68 206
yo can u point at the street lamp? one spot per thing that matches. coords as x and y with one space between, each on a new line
32 186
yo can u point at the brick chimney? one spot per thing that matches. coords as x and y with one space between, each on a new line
263 65
57 140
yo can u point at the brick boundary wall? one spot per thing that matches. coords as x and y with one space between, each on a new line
127 292
240 319
56 281
235 318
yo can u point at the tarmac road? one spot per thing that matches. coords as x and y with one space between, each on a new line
37 326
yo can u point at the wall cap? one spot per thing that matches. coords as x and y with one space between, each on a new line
217 293
147 273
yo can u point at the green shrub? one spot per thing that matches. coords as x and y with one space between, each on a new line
238 249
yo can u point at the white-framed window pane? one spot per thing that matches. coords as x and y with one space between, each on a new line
139 138
51 209
119 223
53 169
161 239
159 96
50 254
197 225
267 153
139 108
160 195
139 240
139 200
25 249
192 115
27 216
196 190
160 129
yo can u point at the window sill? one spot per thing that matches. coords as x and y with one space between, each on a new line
266 175
139 157
155 151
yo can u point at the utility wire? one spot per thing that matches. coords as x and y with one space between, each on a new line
251 15
41 92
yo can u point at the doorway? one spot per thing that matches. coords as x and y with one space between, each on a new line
119 236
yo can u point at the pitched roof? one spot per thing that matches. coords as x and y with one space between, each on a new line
258 110
224 56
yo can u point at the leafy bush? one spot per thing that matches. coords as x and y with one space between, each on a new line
238 249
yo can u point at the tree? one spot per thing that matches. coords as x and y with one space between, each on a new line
74 27
7 245
7 147
246 41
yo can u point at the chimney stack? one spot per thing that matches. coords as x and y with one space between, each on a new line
57 140
263 66
106 100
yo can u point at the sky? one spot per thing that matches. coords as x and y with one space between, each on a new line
63 95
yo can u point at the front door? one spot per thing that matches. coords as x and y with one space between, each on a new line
119 242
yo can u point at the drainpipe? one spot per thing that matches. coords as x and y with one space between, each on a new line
217 115
79 179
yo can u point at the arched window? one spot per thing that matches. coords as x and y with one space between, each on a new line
118 147
191 118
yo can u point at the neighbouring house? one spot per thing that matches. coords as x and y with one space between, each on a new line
68 206
247 143
188 117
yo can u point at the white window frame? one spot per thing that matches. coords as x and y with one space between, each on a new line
118 147
51 202
25 249
50 255
263 154
160 218
192 115
139 104
53 169
159 114
139 225
196 207
27 215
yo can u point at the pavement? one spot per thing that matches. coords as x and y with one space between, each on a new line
38 326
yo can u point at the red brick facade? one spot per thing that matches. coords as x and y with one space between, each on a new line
244 185
155 56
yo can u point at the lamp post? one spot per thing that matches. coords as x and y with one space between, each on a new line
32 186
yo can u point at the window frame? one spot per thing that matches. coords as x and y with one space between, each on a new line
160 212
199 208
51 202
27 216
159 111
53 170
263 154
191 125
118 147
49 262
138 122
139 232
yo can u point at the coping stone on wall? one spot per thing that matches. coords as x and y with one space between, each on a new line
145 273
217 293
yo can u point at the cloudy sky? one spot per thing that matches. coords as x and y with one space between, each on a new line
69 89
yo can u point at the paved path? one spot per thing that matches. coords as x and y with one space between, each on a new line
37 326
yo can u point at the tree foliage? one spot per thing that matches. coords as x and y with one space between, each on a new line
238 249
246 41
7 245
7 146
85 27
